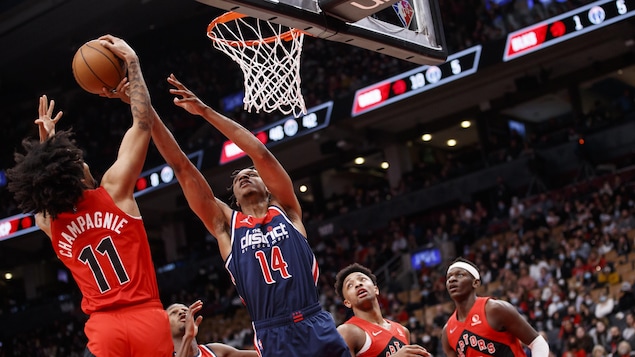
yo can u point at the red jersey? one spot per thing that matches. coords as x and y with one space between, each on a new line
107 252
474 337
380 341
205 351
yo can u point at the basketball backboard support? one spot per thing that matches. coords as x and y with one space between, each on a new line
410 30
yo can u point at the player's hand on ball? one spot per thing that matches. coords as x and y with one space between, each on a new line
119 47
120 92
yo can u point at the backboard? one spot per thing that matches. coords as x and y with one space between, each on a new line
410 30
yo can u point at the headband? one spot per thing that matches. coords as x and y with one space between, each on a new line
470 269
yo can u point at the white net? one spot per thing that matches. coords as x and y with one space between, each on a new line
269 56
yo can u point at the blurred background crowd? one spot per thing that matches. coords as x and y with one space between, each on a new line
560 248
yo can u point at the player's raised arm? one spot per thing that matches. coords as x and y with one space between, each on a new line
120 178
214 213
270 170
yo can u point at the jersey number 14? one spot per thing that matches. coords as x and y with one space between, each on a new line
276 263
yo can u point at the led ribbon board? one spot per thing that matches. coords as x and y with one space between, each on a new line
162 176
416 81
283 130
148 181
17 225
568 25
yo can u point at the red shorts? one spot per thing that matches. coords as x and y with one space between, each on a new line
138 331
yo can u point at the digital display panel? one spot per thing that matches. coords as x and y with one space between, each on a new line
17 225
415 81
566 26
283 130
427 258
162 176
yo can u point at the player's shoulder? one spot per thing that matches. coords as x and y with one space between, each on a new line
498 304
350 327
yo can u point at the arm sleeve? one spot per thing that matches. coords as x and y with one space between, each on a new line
539 347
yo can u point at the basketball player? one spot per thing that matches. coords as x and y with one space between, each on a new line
264 244
482 325
185 328
97 231
368 333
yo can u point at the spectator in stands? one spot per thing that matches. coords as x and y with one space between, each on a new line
555 306
623 246
595 261
629 326
605 305
525 280
587 315
598 351
544 277
625 222
185 328
552 218
440 316
583 341
581 271
606 245
599 333
623 350
626 300
614 338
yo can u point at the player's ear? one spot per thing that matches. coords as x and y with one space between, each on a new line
476 283
376 290
347 304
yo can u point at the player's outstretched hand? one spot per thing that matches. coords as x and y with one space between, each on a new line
45 121
188 101
191 323
412 351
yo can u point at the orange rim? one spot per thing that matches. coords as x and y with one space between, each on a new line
231 16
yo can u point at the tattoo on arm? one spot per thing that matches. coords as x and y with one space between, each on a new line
139 97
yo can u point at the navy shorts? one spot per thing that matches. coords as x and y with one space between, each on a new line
308 332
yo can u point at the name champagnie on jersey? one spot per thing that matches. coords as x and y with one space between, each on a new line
81 224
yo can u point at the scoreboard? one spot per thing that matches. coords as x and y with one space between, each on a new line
416 81
566 26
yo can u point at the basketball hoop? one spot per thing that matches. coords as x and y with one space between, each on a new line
269 56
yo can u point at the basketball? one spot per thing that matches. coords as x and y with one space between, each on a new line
95 67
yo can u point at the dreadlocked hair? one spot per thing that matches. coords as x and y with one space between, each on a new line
49 178
353 268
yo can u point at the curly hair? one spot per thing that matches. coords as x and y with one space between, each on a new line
353 268
49 178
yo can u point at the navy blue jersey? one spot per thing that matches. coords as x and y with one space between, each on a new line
272 265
